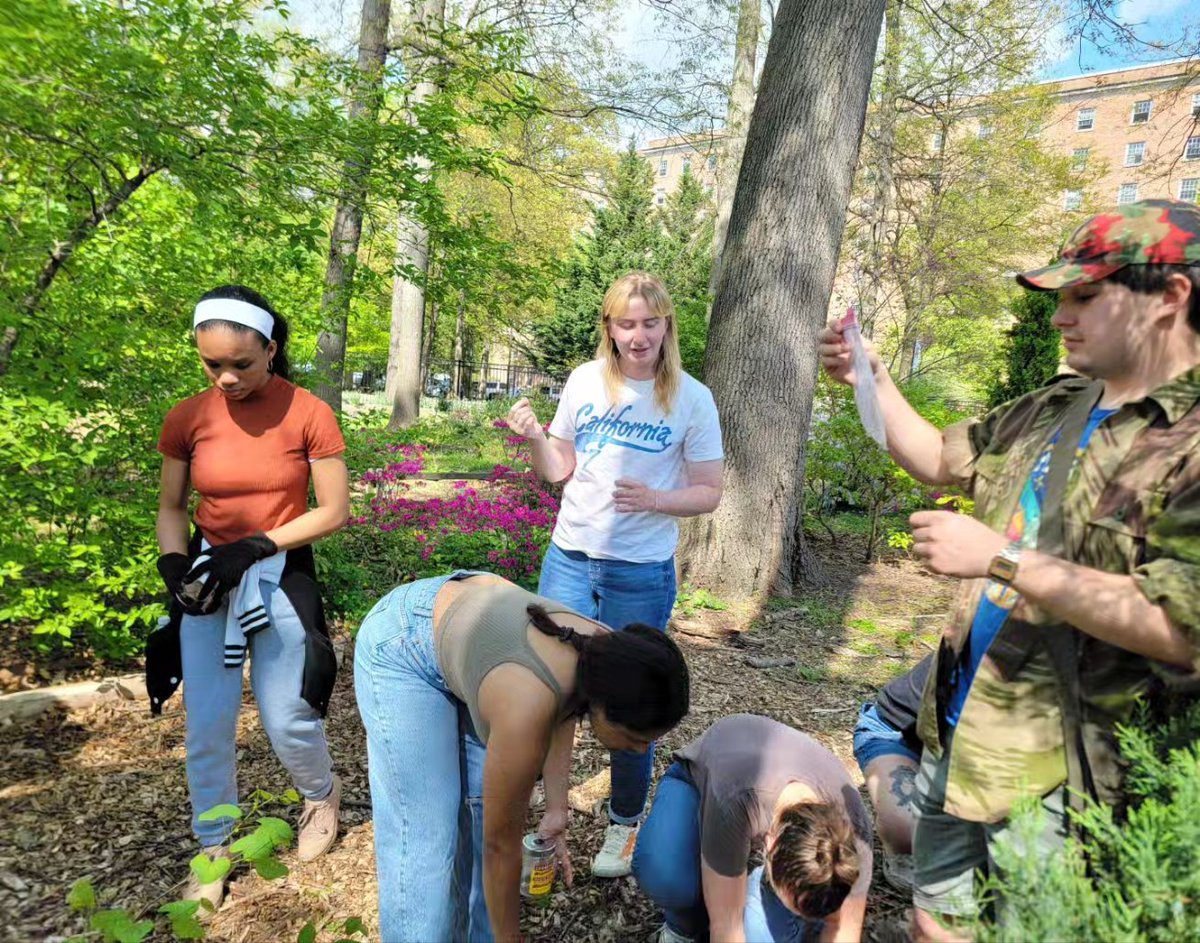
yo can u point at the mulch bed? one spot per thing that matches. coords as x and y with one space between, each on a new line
100 793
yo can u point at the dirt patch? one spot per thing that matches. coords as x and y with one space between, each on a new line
100 793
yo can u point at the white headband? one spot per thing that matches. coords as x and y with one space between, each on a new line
239 312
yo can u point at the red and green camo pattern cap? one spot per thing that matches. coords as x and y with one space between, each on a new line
1149 232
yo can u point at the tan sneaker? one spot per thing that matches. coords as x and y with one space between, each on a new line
211 891
319 823
616 854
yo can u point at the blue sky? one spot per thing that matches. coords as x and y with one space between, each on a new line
1155 21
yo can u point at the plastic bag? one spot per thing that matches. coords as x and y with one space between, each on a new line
866 397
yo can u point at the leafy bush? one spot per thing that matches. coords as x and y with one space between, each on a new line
503 526
1134 879
1031 348
846 470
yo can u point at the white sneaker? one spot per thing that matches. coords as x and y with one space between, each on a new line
616 855
667 935
210 893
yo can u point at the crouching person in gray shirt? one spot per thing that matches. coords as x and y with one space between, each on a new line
750 784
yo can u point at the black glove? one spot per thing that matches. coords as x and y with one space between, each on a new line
228 563
173 567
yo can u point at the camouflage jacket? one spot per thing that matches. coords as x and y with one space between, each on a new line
1132 506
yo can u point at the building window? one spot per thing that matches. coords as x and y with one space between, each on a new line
1135 153
1073 200
936 141
1085 119
1189 189
662 167
1192 150
712 161
984 132
1196 105
1127 194
1141 112
659 198
1079 158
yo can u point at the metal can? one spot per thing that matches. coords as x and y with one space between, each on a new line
537 868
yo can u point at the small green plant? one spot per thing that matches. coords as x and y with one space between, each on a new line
812 674
865 626
957 502
690 601
901 540
258 845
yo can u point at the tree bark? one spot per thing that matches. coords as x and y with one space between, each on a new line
412 245
61 254
346 234
786 228
737 119
460 326
427 342
882 196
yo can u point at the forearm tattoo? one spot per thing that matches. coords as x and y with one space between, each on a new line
904 787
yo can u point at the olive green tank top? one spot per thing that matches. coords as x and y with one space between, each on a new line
484 627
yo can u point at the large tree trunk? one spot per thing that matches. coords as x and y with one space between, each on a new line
412 245
347 220
761 363
882 195
737 120
62 252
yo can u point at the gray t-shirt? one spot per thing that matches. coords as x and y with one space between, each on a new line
740 765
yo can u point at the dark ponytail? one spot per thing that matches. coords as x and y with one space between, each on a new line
638 675
279 363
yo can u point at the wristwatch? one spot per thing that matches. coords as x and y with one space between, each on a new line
1003 568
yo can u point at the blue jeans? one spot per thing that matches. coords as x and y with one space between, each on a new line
666 864
616 593
212 697
425 767
875 737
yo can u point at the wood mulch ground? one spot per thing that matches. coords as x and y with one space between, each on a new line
100 793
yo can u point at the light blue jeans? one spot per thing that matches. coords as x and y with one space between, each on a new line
212 697
616 593
425 767
666 865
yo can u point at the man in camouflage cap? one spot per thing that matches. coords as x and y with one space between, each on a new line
1080 568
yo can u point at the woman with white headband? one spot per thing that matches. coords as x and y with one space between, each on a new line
242 581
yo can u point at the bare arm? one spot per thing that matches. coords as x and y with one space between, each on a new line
331 484
845 926
172 524
725 901
700 495
553 459
556 777
915 443
1107 606
520 713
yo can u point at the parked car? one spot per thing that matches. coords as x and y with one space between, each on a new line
438 385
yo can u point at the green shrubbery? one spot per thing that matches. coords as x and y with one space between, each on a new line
1136 879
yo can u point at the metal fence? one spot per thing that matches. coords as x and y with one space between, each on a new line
458 379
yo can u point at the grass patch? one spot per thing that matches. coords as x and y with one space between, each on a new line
865 647
865 626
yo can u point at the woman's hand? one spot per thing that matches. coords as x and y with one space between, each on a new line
523 420
553 828
633 496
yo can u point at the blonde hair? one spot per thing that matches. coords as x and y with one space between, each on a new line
668 372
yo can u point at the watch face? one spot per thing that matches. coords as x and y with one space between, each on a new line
1002 569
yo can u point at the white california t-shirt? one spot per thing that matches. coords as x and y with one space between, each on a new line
632 439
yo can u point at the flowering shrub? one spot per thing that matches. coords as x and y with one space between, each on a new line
397 533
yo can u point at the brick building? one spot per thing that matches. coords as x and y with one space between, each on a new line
1133 134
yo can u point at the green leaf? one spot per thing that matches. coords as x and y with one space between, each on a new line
223 811
290 796
117 926
209 869
82 895
281 832
355 927
307 934
270 868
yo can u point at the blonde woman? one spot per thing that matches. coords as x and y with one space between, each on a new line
639 443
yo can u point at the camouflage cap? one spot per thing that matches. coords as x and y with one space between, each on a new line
1149 232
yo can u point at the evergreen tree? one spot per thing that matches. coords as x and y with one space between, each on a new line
1031 349
683 260
623 237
